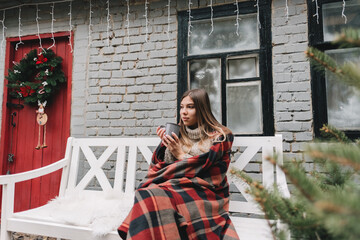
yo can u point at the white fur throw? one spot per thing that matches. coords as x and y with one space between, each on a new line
103 211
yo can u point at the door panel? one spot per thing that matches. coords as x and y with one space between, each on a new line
34 193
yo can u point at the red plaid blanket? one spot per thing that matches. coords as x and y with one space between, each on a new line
187 199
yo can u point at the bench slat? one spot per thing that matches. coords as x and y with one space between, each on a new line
146 152
267 167
245 157
58 230
244 207
131 170
120 168
95 168
74 166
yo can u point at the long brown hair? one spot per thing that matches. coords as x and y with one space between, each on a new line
207 123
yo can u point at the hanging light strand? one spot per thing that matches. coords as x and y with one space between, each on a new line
19 31
317 11
90 24
3 33
287 9
128 21
343 12
33 4
258 13
211 17
52 25
38 27
189 21
237 24
108 22
70 27
168 19
146 21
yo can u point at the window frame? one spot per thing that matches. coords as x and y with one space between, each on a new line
318 83
264 57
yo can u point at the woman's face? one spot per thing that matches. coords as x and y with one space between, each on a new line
188 112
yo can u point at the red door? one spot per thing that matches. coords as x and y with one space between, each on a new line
20 131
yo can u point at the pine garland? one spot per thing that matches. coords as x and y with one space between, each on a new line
36 77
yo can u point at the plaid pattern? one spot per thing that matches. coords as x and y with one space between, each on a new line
187 199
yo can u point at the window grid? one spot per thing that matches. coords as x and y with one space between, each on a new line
318 81
262 54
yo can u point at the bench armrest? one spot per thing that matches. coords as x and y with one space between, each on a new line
20 177
8 182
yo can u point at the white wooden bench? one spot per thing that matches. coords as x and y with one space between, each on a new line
124 154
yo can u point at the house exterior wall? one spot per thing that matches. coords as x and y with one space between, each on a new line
125 89
291 77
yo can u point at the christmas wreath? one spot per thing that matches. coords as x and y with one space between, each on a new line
36 77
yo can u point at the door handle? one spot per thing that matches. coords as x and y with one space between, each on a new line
12 119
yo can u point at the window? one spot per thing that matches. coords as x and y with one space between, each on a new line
334 102
233 64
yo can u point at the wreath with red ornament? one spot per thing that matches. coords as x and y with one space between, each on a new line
36 77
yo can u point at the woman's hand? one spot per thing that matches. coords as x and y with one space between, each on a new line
173 144
160 131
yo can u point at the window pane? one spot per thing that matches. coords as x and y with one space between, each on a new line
224 37
244 114
205 73
242 68
334 22
343 101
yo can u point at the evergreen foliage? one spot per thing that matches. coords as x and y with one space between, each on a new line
324 203
36 76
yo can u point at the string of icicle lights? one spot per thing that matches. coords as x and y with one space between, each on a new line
52 25
237 24
19 31
3 33
127 26
168 19
70 27
90 24
38 27
108 22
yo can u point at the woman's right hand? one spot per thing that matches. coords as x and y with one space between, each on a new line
160 131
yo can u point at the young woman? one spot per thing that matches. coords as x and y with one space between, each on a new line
186 194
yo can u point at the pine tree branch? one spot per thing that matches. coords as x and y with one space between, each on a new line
348 73
298 178
343 154
349 37
255 189
331 132
275 206
335 158
332 207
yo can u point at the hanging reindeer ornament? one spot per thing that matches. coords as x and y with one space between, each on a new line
41 119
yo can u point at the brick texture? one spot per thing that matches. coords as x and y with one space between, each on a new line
291 76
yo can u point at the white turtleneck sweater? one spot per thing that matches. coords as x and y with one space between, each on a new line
194 136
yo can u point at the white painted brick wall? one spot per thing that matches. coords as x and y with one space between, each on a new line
291 76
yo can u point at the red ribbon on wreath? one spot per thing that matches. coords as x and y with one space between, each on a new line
26 91
41 59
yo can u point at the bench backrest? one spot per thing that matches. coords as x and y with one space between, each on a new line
126 152
257 149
